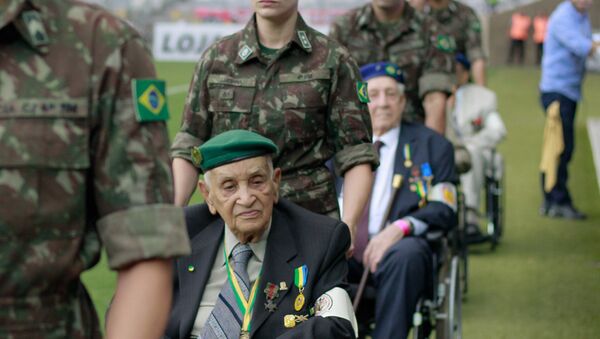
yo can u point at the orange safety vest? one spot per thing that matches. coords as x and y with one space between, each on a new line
519 27
540 25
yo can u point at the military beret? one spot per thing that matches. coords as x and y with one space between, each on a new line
382 68
463 60
231 146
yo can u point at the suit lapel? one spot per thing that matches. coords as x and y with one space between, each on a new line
279 263
194 271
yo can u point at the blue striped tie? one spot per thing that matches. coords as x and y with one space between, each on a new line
225 320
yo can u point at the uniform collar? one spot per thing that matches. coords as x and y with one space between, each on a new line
248 47
367 19
31 21
258 248
442 14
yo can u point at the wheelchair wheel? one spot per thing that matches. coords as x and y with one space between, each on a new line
494 209
449 320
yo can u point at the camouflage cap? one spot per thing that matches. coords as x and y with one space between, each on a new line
231 146
382 68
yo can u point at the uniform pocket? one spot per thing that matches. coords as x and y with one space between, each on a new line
305 97
230 102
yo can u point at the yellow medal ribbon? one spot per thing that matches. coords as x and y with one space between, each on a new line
246 306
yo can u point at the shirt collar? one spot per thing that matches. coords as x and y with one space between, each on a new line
248 47
390 137
258 248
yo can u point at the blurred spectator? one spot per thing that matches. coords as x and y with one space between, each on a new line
476 124
567 46
540 25
518 33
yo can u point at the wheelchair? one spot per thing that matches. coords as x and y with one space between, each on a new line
495 178
439 311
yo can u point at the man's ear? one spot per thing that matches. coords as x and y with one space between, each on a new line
206 195
276 181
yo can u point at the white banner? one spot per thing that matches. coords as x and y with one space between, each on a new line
181 41
185 41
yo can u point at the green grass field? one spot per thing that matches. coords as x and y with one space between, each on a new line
543 281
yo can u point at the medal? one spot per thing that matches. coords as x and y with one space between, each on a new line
289 321
283 286
244 335
299 302
407 162
271 292
300 276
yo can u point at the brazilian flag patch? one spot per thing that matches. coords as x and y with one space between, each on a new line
361 89
445 43
150 100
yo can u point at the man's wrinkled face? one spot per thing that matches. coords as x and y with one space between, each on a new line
277 10
243 194
582 5
386 103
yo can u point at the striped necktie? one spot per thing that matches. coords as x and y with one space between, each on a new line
225 320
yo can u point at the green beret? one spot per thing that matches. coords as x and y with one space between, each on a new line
231 146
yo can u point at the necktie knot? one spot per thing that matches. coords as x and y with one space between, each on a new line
377 146
241 255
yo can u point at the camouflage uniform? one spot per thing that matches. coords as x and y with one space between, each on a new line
304 98
460 21
76 167
410 42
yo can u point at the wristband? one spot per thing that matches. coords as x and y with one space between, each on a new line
404 226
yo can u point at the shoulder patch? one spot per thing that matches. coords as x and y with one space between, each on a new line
150 100
361 90
445 43
476 26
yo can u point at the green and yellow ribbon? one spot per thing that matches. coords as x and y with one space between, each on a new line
246 306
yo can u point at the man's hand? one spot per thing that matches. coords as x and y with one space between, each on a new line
379 245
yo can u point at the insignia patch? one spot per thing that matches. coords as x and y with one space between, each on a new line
445 193
361 90
150 99
196 156
476 26
35 28
445 43
245 52
304 40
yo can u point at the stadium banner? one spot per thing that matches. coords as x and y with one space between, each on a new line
182 41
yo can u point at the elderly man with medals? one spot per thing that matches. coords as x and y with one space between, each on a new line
261 266
414 193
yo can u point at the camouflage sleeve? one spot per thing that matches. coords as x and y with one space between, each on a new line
196 123
438 68
474 48
349 124
132 184
335 31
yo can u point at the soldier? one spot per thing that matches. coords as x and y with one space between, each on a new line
284 80
461 23
83 162
392 30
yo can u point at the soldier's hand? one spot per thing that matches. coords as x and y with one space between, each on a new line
379 245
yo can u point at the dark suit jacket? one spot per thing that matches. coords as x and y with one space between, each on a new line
297 237
426 146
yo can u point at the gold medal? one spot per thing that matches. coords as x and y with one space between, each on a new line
299 302
289 321
408 163
244 335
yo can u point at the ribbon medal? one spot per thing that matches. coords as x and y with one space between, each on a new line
407 162
300 275
271 293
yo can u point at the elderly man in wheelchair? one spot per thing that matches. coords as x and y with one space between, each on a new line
474 122
414 195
